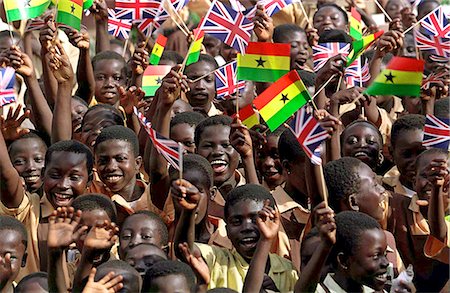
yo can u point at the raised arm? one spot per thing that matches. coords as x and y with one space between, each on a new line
47 37
100 9
139 62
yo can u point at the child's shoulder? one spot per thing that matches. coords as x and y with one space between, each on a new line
280 264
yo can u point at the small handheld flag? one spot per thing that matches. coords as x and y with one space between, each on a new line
17 10
152 79
70 13
136 9
436 132
359 46
282 99
324 51
158 49
248 116
270 7
355 24
119 28
194 49
7 80
436 23
226 81
438 46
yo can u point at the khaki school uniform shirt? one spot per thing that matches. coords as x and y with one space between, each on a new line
329 285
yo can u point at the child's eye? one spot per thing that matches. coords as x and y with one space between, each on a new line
19 162
117 78
54 175
75 178
236 222
100 77
146 237
226 145
126 237
352 140
39 160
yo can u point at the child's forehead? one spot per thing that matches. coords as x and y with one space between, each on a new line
11 236
65 158
109 65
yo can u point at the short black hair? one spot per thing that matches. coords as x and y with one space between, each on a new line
198 163
107 55
167 268
207 59
83 102
247 192
350 226
367 124
172 56
116 115
221 290
335 36
343 12
119 132
308 77
33 134
162 228
211 121
116 264
285 29
191 118
424 2
442 107
95 201
289 148
430 151
342 179
12 224
406 123
71 146
40 277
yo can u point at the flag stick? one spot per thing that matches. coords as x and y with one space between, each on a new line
168 6
205 75
237 96
180 153
353 102
305 14
323 86
382 10
125 47
318 171
418 22
149 35
189 50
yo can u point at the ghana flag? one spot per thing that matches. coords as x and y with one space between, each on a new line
152 79
402 77
158 49
265 62
282 99
355 24
70 12
248 116
359 46
195 48
18 9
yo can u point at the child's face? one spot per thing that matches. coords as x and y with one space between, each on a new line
362 142
203 91
241 226
129 279
268 162
94 122
117 165
142 257
394 7
228 53
12 243
215 146
371 195
368 264
212 45
65 178
89 219
78 111
170 284
109 75
299 49
180 106
407 147
28 158
329 18
184 133
138 229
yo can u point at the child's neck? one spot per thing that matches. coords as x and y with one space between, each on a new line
203 231
299 197
227 186
346 283
131 191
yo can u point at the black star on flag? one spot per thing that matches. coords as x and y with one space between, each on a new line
158 80
72 9
260 62
27 3
389 77
284 98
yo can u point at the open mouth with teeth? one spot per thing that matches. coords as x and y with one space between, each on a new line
30 179
219 166
248 242
62 199
113 178
382 277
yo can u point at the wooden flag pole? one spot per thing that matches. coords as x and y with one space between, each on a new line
305 14
382 10
318 172
125 47
353 102
180 154
181 25
205 75
417 23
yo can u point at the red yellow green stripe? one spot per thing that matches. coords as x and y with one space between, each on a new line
282 99
158 49
17 10
359 46
248 116
70 13
195 48
152 79
355 24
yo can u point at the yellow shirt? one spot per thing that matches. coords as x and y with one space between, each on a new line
228 269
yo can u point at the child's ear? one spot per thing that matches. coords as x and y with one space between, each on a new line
90 178
342 260
353 203
24 260
138 162
286 166
212 192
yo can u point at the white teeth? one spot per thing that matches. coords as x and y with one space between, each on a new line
360 154
112 178
63 196
32 178
219 162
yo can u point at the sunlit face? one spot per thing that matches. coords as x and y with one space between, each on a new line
184 133
12 243
109 74
329 18
203 91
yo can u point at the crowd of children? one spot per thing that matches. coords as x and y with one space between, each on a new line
90 204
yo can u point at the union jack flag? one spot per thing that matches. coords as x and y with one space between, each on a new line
439 46
324 51
439 59
436 23
436 132
145 26
309 134
34 24
434 77
168 148
163 14
7 80
271 7
136 9
119 28
236 5
357 75
229 26
226 78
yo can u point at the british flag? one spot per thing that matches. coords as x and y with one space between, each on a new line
34 24
163 14
324 51
436 23
438 59
309 134
145 26
271 7
438 46
229 26
236 5
226 78
7 80
136 9
168 148
357 75
433 78
119 28
436 133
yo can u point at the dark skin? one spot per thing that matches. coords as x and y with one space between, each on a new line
184 133
131 281
109 74
299 48
328 18
12 257
170 283
93 123
269 164
202 92
143 256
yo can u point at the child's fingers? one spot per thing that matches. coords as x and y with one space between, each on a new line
106 278
92 275
114 282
